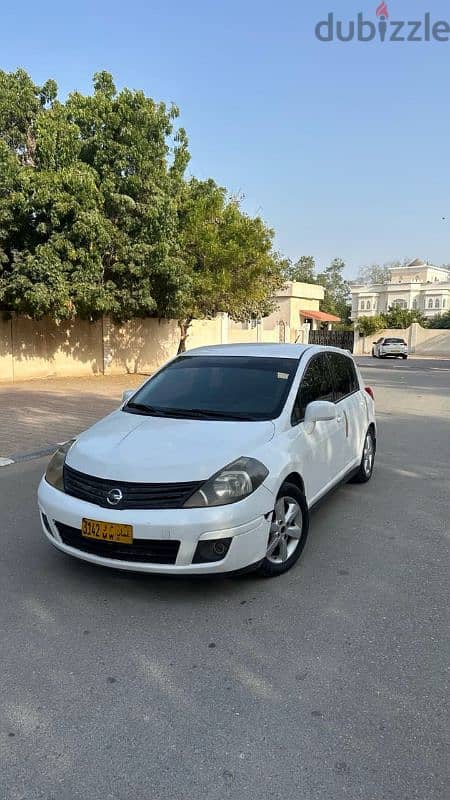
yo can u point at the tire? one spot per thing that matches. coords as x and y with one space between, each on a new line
283 550
404 358
365 470
373 353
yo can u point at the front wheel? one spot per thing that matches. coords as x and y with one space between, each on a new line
288 532
365 469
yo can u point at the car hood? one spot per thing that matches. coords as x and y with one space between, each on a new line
131 447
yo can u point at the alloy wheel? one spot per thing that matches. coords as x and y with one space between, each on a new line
285 531
368 454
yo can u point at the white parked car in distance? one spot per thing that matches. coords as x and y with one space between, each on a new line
214 464
390 347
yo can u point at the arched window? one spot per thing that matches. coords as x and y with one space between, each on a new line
415 305
361 305
368 306
436 302
417 279
444 302
400 303
430 303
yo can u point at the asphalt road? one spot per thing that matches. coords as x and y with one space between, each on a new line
329 683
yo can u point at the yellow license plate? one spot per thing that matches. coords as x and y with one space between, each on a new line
107 531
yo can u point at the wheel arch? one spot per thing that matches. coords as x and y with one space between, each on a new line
296 479
372 428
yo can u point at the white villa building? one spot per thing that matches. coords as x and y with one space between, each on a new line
416 286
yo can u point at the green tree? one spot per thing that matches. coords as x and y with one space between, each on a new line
440 321
225 260
376 273
96 216
367 326
89 192
337 290
303 270
397 317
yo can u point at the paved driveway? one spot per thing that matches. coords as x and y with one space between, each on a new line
34 415
330 683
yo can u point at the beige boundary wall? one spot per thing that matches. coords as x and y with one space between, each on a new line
43 348
421 341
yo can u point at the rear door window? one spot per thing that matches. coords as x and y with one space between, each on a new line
316 384
345 379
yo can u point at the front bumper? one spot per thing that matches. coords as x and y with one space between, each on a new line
247 523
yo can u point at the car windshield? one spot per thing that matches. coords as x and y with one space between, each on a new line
217 387
394 341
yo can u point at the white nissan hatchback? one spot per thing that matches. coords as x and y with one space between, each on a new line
214 463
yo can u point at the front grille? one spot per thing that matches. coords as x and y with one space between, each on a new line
134 495
152 551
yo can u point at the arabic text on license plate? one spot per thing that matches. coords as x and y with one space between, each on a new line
107 531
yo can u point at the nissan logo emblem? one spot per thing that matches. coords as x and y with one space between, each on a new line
114 497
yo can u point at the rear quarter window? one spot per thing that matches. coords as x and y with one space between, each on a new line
345 379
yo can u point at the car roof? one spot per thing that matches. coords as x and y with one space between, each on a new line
262 349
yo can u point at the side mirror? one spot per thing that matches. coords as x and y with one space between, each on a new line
127 394
319 411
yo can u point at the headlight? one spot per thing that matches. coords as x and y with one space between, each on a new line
230 485
54 471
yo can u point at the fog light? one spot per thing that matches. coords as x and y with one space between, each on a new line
211 550
46 524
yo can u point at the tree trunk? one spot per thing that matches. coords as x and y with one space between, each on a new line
184 325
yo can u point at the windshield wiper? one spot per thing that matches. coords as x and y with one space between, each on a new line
225 415
186 413
151 411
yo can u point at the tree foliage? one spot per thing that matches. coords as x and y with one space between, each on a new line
376 273
225 259
303 270
337 290
367 326
88 207
96 216
397 317
440 321
394 318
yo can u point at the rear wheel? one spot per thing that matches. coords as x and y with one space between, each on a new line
365 470
404 358
288 532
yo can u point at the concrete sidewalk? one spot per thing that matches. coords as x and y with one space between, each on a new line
36 415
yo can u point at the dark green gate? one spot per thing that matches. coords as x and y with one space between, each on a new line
342 339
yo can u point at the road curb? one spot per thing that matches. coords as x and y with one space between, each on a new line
20 457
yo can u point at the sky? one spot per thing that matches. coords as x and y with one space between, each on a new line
342 148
